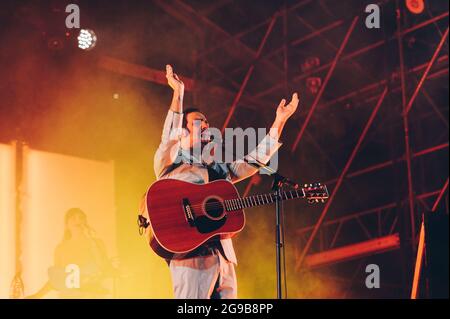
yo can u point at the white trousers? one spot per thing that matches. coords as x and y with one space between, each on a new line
203 277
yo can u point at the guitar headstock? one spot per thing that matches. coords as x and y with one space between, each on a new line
315 193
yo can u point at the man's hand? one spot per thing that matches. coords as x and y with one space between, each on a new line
174 81
178 90
284 112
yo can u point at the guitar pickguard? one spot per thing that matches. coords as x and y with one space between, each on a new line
205 225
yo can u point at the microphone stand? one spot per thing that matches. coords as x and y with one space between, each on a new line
279 181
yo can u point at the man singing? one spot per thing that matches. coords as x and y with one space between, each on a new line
208 271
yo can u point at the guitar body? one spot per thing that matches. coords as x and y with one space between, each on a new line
184 215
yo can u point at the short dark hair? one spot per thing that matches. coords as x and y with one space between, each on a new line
186 112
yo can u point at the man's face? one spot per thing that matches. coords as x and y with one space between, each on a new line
197 125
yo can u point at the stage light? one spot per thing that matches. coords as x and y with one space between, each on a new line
415 6
87 39
310 63
313 84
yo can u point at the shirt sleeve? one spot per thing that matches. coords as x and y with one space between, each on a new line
262 153
170 143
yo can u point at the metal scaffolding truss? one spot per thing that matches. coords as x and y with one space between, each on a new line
377 236
318 244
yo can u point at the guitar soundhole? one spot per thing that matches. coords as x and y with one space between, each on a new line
214 216
214 209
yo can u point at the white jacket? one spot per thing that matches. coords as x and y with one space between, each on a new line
168 151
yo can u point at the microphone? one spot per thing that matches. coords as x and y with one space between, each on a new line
279 179
88 229
206 137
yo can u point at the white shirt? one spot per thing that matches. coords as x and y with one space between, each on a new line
170 148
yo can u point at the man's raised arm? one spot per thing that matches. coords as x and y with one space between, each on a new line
269 145
170 139
178 90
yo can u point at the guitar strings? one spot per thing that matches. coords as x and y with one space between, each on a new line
221 204
256 199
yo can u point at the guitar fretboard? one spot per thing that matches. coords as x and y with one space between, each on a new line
261 199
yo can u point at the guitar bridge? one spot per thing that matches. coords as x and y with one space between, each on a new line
188 213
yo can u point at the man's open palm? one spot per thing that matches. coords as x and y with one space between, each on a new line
173 80
285 111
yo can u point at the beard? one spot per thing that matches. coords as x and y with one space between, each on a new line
205 136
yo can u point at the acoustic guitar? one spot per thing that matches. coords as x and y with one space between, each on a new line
182 215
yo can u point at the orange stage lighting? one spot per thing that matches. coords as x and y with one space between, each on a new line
53 184
7 218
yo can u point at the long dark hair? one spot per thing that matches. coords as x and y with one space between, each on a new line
69 214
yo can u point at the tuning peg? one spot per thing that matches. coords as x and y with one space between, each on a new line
317 200
322 200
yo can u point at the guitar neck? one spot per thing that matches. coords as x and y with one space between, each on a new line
261 199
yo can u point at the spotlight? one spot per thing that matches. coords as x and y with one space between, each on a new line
87 39
310 63
415 6
313 84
